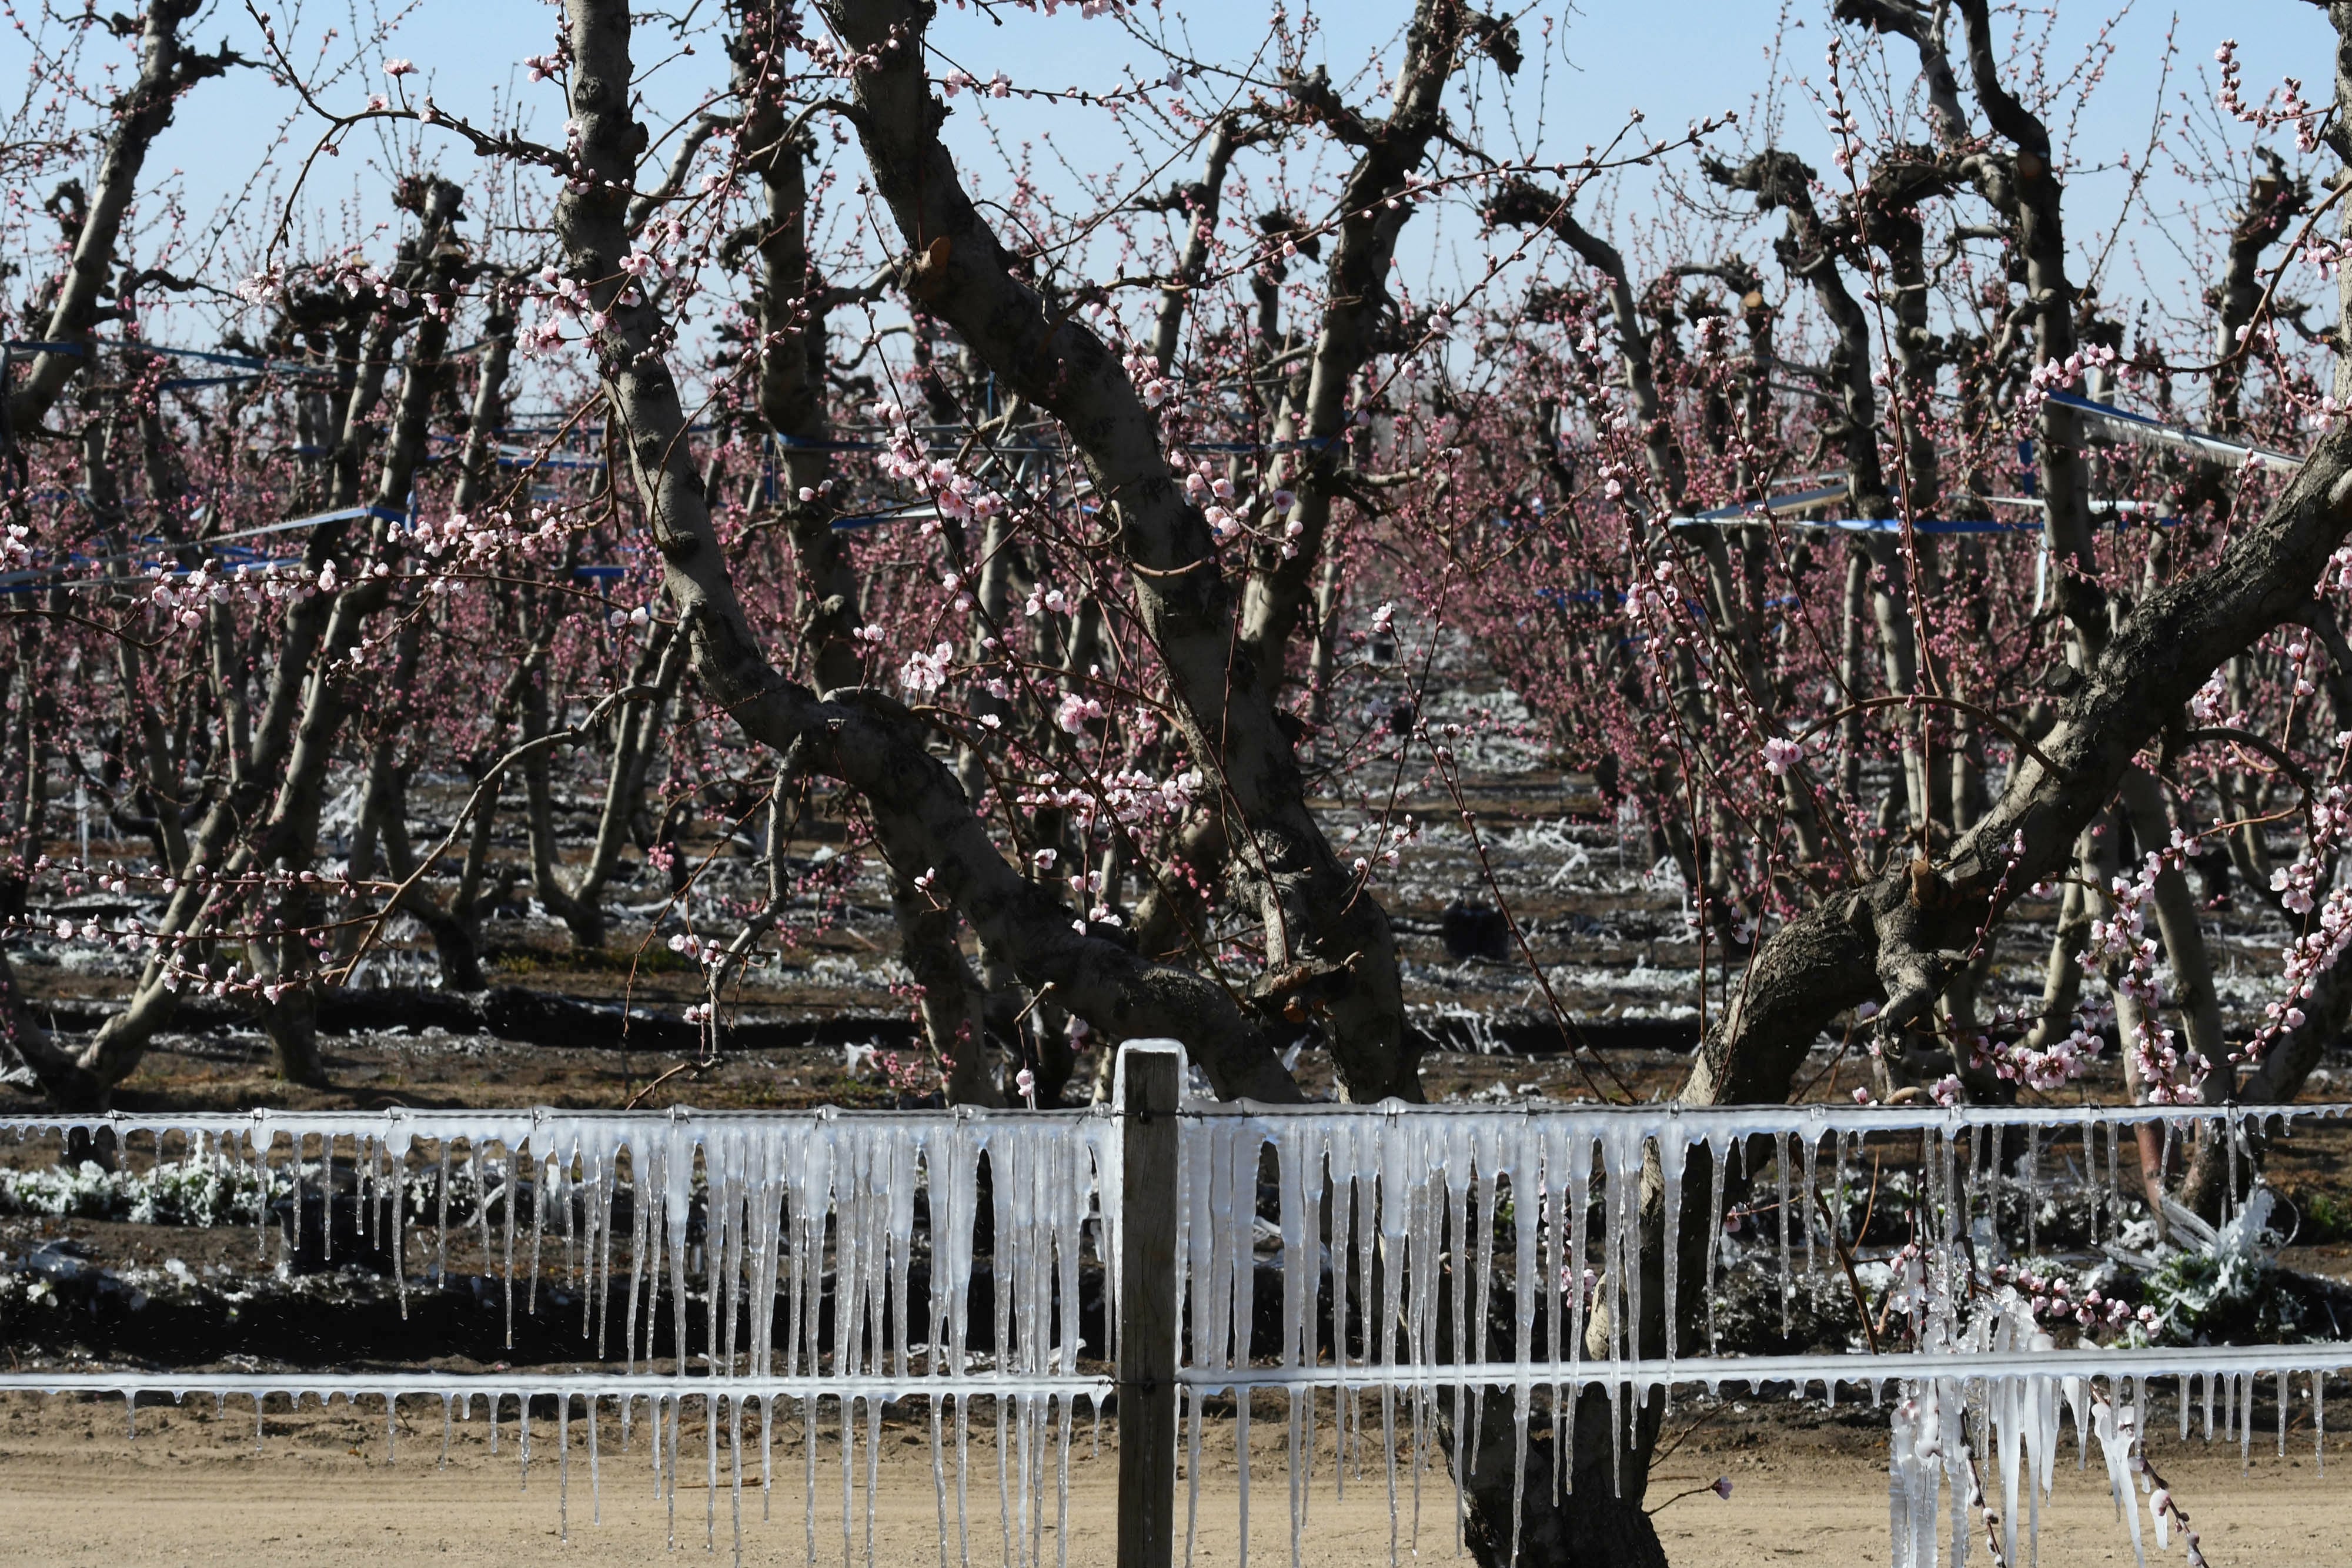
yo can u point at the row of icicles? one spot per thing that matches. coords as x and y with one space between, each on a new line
828 1215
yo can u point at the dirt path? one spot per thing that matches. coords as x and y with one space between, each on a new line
74 1490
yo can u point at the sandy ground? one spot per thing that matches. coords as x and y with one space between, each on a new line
75 1490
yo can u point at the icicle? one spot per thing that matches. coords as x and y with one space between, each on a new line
2228 1133
1241 1216
294 1166
544 1167
1472 1207
397 1157
2008 1397
1527 1159
2112 1196
2172 1143
1004 1518
259 1140
1579 1204
1024 1421
2119 1436
1298 1447
1390 1207
735 1473
1062 1494
1722 1149
1341 1157
2032 1188
565 1157
939 1462
606 1188
507 1194
874 1473
1805 1197
665 1453
1973 1194
2091 1173
1674 1154
327 1195
1301 1282
1788 1280
2245 1423
1907 1476
1837 1191
963 1480
563 1466
644 1212
809 1414
441 1232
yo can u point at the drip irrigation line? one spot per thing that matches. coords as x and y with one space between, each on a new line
35 579
2141 427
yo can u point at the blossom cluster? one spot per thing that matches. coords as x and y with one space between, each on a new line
2119 943
2053 1298
2315 950
956 494
1131 797
2283 104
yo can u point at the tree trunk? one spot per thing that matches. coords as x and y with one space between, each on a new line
920 813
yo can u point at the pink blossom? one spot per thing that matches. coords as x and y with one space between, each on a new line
1076 712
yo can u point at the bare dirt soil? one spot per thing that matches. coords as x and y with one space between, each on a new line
1809 1486
76 1489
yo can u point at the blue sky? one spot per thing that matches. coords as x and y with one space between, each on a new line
1675 60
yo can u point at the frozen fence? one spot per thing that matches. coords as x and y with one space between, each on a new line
813 1216
1388 1275
1414 1182
1392 1221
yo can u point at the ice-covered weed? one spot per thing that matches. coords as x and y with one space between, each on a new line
188 1192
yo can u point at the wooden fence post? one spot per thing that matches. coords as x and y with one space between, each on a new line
1146 1090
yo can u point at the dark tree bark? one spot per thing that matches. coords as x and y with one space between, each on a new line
266 816
868 741
167 69
793 301
1326 937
